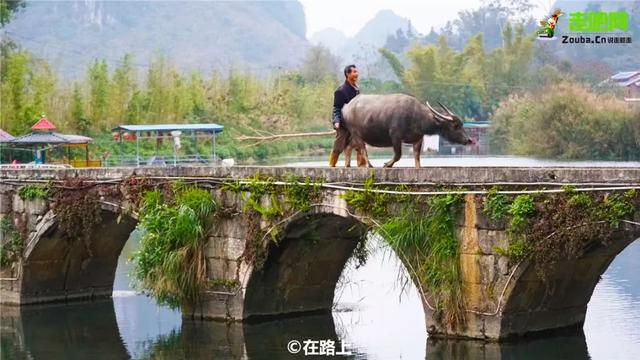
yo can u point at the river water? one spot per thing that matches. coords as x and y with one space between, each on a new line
374 318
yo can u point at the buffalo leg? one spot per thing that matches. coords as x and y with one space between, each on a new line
333 158
347 156
363 157
417 149
397 153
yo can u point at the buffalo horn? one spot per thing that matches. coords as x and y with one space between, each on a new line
437 113
446 108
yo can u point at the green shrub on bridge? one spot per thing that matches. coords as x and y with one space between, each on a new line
170 264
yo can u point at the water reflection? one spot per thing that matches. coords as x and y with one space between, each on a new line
559 347
81 331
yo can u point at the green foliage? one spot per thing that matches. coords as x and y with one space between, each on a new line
8 8
561 226
234 186
496 205
12 243
227 284
471 81
98 75
577 124
616 207
518 250
32 192
521 210
26 84
368 201
170 264
395 63
427 241
301 195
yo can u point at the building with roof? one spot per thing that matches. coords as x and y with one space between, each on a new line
43 139
630 81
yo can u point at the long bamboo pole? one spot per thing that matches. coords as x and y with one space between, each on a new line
282 136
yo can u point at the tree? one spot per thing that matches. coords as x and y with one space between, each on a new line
318 64
80 120
122 87
8 8
98 79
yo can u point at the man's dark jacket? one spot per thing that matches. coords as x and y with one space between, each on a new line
343 94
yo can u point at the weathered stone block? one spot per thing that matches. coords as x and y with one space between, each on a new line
5 203
476 297
477 269
503 265
234 248
18 204
32 221
36 206
468 238
215 247
222 269
469 268
488 240
231 228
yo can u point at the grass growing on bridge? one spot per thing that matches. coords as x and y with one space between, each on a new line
12 243
421 231
549 228
171 264
32 192
427 242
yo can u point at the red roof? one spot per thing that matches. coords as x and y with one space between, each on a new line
43 124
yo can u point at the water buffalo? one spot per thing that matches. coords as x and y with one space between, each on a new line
390 120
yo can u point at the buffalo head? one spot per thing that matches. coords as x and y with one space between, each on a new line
450 126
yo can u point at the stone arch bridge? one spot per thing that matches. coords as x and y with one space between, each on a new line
502 299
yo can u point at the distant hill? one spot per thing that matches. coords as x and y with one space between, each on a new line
331 38
376 30
371 37
258 35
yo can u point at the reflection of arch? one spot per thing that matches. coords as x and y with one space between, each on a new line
569 346
532 305
65 332
300 273
58 268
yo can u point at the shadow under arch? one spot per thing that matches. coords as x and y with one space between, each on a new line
559 304
300 273
57 268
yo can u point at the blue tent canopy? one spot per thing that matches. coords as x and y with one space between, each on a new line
212 129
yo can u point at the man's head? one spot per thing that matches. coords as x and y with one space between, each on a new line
351 73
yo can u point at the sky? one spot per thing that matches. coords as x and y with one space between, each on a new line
349 16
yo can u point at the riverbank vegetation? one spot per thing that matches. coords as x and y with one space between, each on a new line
515 85
567 121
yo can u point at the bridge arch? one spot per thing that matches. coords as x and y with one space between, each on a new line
57 268
559 302
301 271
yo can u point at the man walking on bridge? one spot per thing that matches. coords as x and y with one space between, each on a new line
343 94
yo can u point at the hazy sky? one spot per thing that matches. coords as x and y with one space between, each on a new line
350 15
